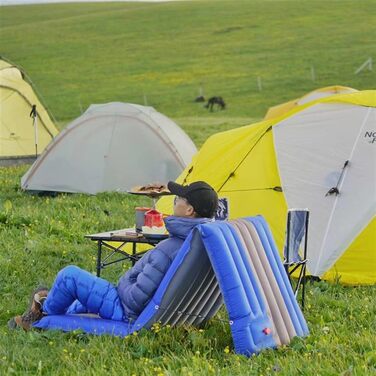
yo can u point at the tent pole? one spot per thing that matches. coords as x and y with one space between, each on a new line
34 115
36 136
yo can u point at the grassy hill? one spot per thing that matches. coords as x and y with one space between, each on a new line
79 54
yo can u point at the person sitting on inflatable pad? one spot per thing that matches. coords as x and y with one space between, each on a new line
77 291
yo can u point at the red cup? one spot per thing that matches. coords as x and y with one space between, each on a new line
153 218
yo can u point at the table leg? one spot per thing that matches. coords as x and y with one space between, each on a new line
99 258
134 251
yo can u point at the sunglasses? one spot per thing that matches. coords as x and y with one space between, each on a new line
180 198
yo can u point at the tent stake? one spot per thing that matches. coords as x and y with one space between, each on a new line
313 74
366 64
201 90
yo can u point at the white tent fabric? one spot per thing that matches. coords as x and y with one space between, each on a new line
112 147
308 145
323 93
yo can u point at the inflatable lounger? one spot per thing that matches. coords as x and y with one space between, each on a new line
234 261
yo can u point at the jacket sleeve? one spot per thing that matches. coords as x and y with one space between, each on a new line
131 275
139 284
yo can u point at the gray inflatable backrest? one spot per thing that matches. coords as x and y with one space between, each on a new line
193 295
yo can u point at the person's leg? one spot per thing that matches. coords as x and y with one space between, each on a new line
76 308
95 294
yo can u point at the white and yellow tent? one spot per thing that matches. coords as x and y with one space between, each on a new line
281 109
21 138
298 160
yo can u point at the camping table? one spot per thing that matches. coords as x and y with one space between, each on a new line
104 239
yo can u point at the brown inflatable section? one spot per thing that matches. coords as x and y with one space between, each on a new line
283 330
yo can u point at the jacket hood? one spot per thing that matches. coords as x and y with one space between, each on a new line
180 227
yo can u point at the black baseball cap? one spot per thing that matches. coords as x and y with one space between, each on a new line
199 194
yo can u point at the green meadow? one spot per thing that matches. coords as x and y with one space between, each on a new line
255 54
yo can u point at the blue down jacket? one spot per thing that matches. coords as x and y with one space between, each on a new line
138 285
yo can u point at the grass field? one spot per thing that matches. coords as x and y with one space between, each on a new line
82 54
79 54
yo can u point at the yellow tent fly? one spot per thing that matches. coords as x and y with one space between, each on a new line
22 136
319 155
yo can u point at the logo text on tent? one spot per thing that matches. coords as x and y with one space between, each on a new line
371 136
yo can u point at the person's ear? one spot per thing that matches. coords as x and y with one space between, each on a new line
190 211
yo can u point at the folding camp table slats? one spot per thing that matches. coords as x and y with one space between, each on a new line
105 242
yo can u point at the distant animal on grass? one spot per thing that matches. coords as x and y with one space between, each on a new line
200 98
215 101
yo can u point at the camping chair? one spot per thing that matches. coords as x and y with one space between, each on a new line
222 212
297 229
233 262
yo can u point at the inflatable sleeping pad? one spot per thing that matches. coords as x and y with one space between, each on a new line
234 262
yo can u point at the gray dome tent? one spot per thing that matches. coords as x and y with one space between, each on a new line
111 147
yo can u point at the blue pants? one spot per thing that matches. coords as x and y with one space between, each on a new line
77 291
